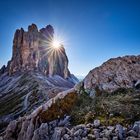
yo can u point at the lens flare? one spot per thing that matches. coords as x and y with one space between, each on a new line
53 45
56 44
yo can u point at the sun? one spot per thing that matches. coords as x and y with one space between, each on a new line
56 44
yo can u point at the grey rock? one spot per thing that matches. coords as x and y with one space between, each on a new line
41 133
66 137
85 132
97 134
132 138
136 126
10 130
84 138
53 124
108 134
57 133
81 126
77 138
96 123
119 131
132 133
115 138
89 125
102 134
68 131
95 129
91 137
104 138
111 128
78 132
99 139
65 121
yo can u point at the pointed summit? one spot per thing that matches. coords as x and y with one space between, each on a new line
30 54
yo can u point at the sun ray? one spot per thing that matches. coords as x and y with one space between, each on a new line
52 45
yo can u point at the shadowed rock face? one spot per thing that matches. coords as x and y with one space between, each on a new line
32 52
121 72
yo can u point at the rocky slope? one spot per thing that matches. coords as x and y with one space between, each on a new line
22 93
35 126
51 121
121 72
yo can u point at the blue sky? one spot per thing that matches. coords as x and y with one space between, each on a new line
93 30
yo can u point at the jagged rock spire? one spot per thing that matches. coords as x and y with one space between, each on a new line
30 54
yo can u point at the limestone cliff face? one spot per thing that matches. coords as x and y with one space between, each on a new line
31 52
121 72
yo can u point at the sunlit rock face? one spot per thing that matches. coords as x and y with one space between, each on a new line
121 72
31 52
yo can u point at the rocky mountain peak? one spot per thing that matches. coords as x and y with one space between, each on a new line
31 52
32 27
48 30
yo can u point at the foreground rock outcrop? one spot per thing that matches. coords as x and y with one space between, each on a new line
121 72
49 122
36 125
